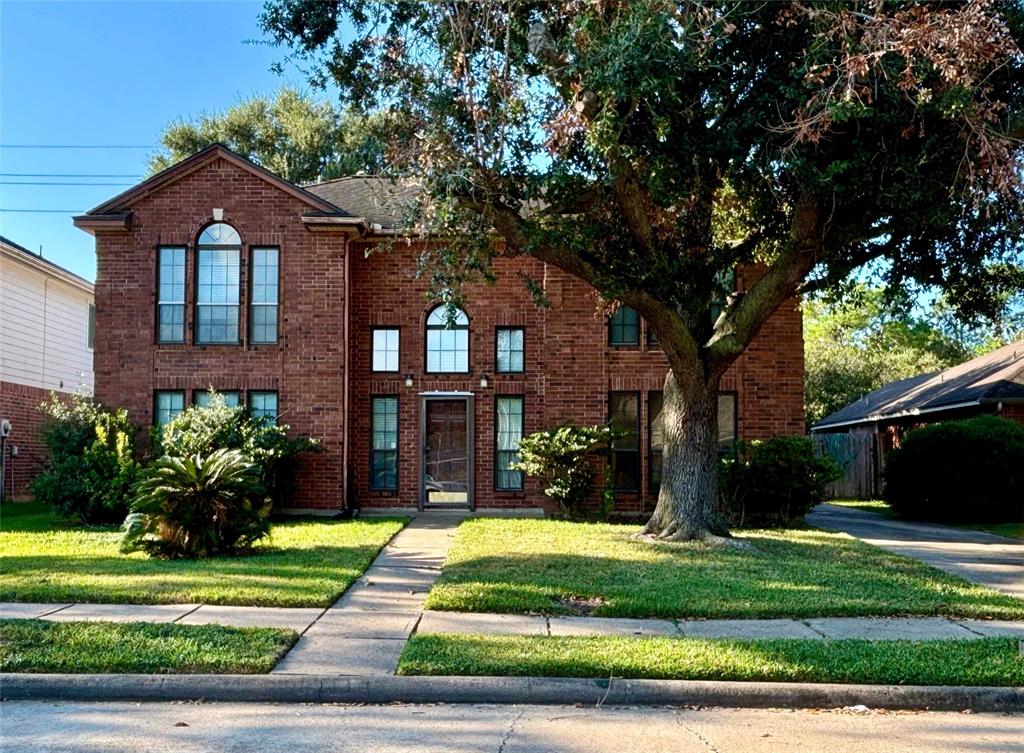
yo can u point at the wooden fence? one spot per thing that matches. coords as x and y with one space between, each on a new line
857 455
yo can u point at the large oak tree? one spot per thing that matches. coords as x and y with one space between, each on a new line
650 147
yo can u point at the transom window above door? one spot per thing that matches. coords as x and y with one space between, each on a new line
447 341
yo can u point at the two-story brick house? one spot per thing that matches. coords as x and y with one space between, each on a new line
218 273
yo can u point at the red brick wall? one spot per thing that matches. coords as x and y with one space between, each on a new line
569 366
307 365
1013 412
19 404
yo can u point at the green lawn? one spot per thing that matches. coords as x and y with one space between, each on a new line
561 567
102 647
1009 530
988 661
306 563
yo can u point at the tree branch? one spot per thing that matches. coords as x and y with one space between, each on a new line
745 316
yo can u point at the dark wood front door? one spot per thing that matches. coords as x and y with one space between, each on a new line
447 465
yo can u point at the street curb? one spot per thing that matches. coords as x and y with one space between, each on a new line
500 690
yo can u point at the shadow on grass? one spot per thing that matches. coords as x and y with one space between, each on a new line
787 574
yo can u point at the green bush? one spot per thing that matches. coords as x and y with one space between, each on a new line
773 482
563 459
202 430
198 506
92 465
969 471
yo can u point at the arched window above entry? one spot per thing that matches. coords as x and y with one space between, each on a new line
447 342
220 234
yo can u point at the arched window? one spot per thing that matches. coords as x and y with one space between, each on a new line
447 341
218 255
624 327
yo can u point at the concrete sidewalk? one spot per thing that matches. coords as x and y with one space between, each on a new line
982 558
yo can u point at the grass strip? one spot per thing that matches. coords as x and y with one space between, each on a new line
305 563
986 661
139 647
560 567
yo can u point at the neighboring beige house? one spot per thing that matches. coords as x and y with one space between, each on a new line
47 321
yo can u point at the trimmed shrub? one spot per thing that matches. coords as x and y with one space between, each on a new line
92 465
774 482
563 459
202 430
969 471
198 506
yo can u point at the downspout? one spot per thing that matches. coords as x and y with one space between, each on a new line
345 380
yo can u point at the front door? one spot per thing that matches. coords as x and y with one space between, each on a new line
447 441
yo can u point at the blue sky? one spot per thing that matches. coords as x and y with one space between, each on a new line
85 73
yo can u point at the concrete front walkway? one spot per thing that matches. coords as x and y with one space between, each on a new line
983 558
365 631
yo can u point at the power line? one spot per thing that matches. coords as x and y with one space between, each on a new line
68 175
44 211
78 146
54 183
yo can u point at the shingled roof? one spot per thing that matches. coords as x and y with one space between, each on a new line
993 377
380 201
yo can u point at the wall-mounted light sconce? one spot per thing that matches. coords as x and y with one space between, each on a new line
408 380
483 381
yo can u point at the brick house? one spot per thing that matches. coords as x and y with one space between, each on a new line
218 273
46 331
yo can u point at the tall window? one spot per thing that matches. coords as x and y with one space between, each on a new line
202 398
509 431
624 327
385 349
655 439
263 405
726 420
168 404
624 414
263 319
509 350
219 252
447 342
384 450
170 309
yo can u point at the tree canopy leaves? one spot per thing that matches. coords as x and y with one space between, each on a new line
296 136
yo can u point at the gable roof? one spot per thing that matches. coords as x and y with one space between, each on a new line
17 251
990 378
199 160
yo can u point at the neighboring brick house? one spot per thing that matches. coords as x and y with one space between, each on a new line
218 273
46 331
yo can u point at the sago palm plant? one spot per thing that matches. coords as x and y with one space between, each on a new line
198 506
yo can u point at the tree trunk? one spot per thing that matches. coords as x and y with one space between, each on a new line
688 502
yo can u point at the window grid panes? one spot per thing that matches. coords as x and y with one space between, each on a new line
624 327
510 350
263 405
232 398
509 432
385 349
171 295
384 450
217 296
624 414
169 403
263 320
447 342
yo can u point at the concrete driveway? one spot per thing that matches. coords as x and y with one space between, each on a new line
984 558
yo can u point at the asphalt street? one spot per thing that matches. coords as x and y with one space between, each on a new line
42 727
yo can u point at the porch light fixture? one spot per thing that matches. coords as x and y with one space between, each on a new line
408 380
483 381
